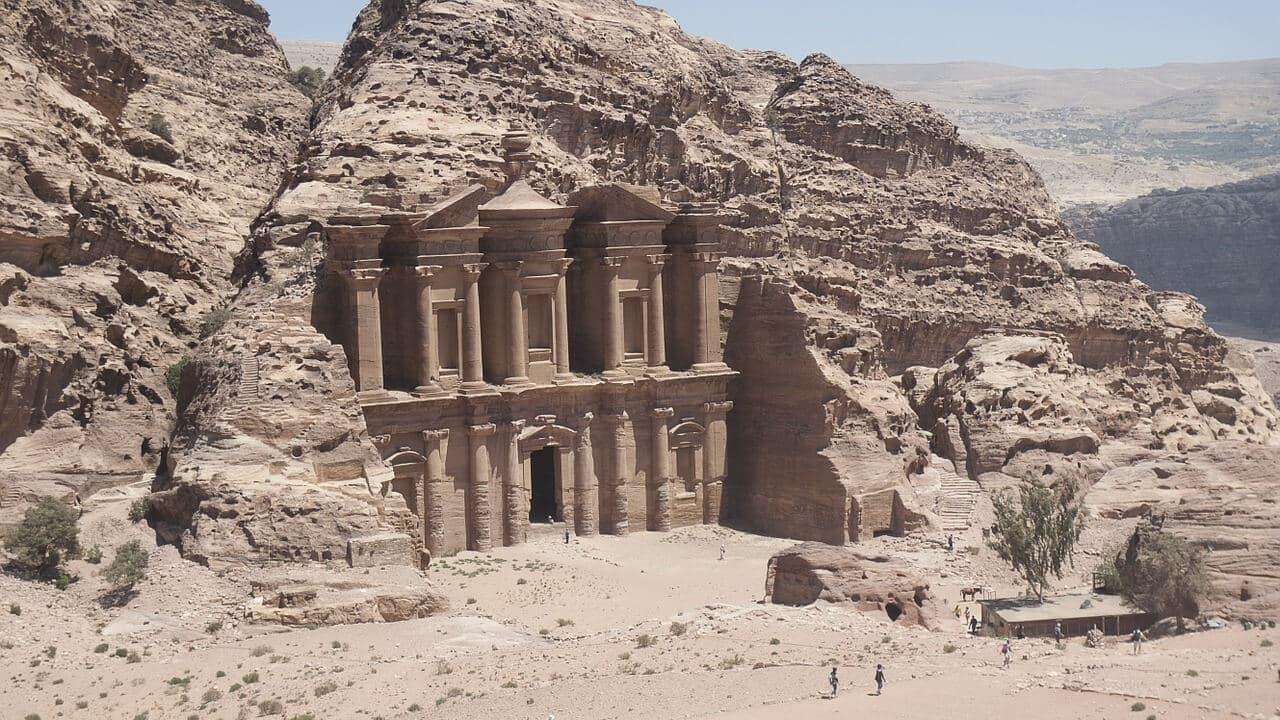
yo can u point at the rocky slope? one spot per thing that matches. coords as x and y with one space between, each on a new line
929 307
1221 243
115 243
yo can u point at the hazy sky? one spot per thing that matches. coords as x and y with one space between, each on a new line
1033 33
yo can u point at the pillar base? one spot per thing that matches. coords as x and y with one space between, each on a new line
657 370
518 381
711 367
430 390
565 379
476 388
373 396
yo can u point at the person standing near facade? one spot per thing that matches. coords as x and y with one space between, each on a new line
1057 634
1137 637
879 678
1007 651
835 682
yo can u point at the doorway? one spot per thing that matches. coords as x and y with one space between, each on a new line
543 507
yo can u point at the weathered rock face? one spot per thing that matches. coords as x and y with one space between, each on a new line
867 242
114 241
814 571
1221 244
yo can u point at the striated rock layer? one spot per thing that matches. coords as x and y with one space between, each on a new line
893 297
1221 244
115 242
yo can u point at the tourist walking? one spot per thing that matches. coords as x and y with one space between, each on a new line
1137 637
1057 634
973 625
879 678
721 552
835 682
1007 651
566 536
951 543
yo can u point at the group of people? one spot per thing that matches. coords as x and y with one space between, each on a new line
834 680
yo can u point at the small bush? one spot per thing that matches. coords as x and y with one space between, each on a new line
1138 707
678 628
159 127
1266 642
15 609
213 321
471 601
62 580
46 535
213 627
249 678
307 80
948 648
510 684
180 681
211 695
775 641
262 650
93 555
101 648
521 581
415 707
51 651
220 674
646 640
624 655
731 662
133 658
325 688
121 652
129 566
270 707
234 687
564 622
1193 673
173 381
82 704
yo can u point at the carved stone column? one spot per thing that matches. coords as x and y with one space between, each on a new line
429 357
660 515
655 341
620 506
517 340
481 515
366 328
514 513
714 441
432 507
563 373
612 315
584 480
472 355
706 336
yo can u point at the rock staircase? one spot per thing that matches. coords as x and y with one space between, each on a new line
959 498
250 374
10 496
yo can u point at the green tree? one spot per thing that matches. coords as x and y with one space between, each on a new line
307 79
1164 574
47 534
129 566
173 377
1037 529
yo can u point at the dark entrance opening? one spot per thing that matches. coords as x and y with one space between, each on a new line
542 481
893 611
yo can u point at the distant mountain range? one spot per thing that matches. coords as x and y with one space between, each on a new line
1104 136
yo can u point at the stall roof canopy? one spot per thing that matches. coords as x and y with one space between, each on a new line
1060 607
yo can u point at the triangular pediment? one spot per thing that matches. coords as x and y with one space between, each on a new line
616 202
461 209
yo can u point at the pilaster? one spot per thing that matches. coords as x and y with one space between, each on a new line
660 477
584 480
514 511
432 507
481 514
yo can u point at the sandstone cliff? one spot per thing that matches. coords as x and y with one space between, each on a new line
116 242
1221 244
894 298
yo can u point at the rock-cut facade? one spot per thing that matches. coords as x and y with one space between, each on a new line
521 363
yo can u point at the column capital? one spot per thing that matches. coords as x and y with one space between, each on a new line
563 265
434 436
657 261
720 407
364 278
612 262
471 271
616 418
481 431
425 273
509 266
662 413
708 260
516 426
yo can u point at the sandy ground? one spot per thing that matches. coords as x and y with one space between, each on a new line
553 629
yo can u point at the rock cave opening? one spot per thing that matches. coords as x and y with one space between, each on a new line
893 611
542 484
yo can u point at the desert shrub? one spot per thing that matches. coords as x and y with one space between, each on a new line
158 125
949 648
1138 707
262 650
1193 673
93 555
46 535
1037 530
775 641
133 658
678 628
646 640
249 678
1266 642
510 684
128 567
214 321
51 652
213 627
731 662
415 707
564 622
82 704
181 681
173 381
141 716
270 707
15 609
121 652
62 580
307 80
325 688
102 647
211 695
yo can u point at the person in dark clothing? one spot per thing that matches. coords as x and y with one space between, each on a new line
835 682
566 536
879 678
973 625
1021 634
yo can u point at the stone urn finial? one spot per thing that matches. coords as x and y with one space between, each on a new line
516 158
